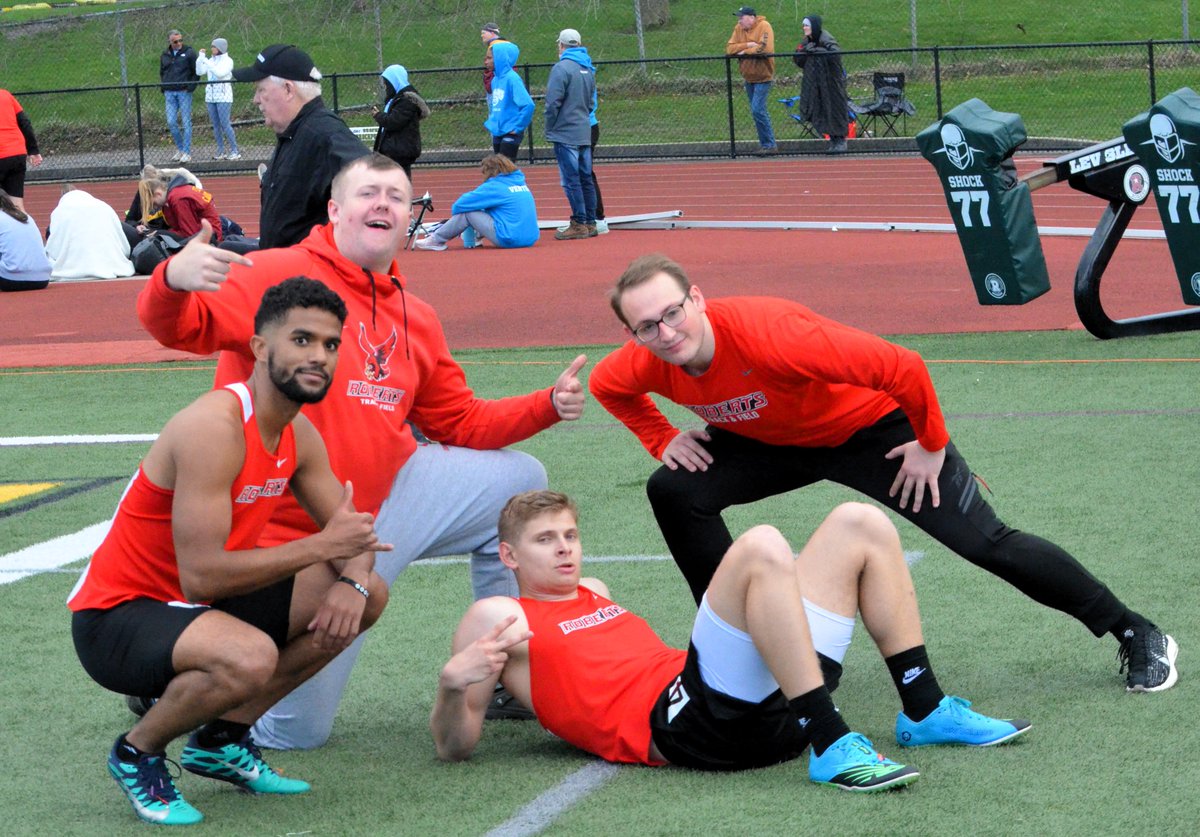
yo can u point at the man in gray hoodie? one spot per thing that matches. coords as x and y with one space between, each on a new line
570 93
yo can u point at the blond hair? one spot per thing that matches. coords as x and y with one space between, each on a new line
522 508
642 270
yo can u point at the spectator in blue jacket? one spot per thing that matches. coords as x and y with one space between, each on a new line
501 209
511 107
570 98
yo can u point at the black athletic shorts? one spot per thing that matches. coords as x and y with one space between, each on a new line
127 649
12 175
695 726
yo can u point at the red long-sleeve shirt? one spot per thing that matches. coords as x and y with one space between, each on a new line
394 364
780 374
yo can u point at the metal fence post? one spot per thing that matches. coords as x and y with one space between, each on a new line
937 79
729 104
525 72
1150 66
334 78
137 97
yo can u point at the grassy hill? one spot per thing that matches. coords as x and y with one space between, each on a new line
60 49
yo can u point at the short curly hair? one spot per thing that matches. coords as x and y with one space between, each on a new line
296 292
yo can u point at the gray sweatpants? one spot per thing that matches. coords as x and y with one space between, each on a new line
444 501
453 227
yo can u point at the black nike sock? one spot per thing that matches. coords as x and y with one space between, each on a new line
126 752
919 691
1128 619
819 718
219 733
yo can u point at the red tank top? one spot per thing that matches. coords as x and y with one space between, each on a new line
595 671
137 558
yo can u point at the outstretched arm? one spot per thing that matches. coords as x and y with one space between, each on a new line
491 631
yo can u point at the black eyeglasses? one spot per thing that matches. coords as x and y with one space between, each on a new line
673 317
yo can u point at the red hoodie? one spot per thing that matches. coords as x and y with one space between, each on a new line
394 364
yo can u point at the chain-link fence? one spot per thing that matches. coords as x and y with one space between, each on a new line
1068 95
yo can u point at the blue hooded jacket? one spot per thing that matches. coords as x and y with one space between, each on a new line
511 108
397 77
510 203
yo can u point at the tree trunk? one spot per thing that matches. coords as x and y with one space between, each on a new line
654 12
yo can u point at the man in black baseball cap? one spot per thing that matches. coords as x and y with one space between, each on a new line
282 61
312 144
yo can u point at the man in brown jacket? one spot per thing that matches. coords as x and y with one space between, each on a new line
753 41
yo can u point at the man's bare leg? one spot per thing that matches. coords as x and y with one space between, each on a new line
854 563
757 590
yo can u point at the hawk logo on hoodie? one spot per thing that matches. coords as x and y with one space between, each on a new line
376 369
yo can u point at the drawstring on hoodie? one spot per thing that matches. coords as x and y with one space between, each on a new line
403 302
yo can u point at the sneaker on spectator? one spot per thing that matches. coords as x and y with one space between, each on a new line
601 226
149 788
429 243
469 238
218 156
851 763
185 158
1147 658
175 157
235 156
954 722
592 231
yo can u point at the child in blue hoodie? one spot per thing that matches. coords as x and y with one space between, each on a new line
501 209
511 107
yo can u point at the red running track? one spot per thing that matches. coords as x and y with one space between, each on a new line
554 293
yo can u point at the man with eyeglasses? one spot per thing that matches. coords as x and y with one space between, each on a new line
791 398
177 72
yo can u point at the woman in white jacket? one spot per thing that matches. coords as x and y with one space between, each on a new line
218 95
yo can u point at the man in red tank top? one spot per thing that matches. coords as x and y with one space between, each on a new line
177 603
753 688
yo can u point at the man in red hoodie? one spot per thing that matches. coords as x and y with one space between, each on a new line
429 499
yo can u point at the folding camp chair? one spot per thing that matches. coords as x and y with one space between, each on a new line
888 108
806 129
415 225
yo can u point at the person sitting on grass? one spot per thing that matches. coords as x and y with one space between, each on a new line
753 688
501 210
178 603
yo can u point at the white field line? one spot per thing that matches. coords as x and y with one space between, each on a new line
544 809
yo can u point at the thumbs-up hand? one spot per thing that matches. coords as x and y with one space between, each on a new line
568 391
348 532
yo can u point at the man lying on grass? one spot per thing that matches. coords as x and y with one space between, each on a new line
753 688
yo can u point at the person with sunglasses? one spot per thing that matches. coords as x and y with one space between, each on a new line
177 73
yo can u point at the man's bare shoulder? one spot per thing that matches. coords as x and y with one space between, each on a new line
209 430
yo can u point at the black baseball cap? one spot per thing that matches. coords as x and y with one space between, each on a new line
282 60
745 10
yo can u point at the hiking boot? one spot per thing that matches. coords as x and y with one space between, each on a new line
851 763
240 764
593 231
953 722
573 231
601 226
766 151
1147 658
837 145
505 707
428 243
139 705
148 786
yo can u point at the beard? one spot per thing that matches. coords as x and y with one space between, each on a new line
292 388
